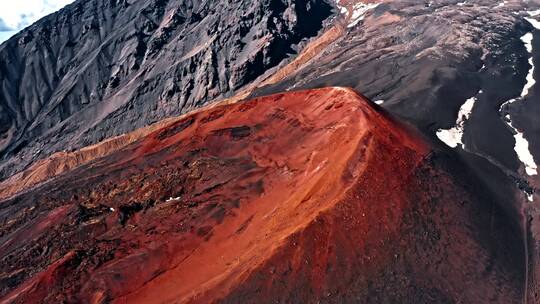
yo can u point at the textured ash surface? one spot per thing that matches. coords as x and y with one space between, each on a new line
316 196
99 68
99 75
424 59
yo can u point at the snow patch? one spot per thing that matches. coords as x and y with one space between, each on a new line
359 12
379 102
342 9
527 39
453 137
534 13
535 23
522 150
522 145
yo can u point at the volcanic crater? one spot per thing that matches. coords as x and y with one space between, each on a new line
315 196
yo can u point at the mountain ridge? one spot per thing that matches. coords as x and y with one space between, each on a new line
99 74
270 199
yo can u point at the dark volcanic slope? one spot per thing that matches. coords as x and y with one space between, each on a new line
307 197
423 59
99 68
468 67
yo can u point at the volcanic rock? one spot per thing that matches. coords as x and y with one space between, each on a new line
302 197
101 68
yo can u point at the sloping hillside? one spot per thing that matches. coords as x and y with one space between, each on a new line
304 197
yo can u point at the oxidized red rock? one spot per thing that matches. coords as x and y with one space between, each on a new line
304 197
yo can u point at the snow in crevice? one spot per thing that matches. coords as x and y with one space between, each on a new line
501 4
358 13
535 23
527 39
522 149
454 136
534 13
379 102
342 9
522 145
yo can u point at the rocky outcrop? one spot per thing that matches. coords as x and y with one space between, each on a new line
101 68
311 196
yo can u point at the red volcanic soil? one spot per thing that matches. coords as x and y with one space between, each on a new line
307 197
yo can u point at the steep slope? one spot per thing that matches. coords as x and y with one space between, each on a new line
303 197
107 67
100 68
60 162
422 60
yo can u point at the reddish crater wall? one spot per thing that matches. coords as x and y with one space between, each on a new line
304 197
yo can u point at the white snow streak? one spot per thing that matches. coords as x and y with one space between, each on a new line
360 10
358 13
522 150
527 39
522 145
534 13
534 22
342 9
